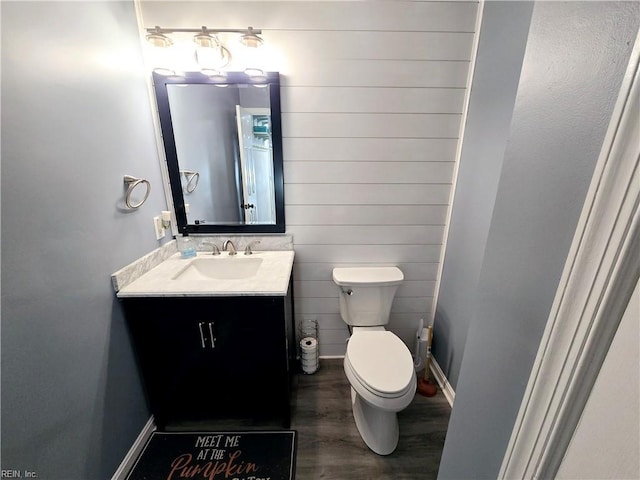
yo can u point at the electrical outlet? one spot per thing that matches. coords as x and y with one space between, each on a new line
157 223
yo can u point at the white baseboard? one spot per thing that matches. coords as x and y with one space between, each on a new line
444 384
134 451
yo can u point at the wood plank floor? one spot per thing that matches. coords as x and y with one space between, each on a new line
330 447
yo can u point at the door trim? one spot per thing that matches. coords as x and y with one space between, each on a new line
599 276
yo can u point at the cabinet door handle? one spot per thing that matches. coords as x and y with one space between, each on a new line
213 340
202 335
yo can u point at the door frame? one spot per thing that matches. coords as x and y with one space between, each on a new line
599 276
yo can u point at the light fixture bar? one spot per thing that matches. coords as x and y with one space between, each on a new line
248 30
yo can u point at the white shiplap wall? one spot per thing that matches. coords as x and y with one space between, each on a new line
372 103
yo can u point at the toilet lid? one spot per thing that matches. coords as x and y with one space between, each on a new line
381 361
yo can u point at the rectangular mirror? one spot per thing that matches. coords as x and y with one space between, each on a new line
223 145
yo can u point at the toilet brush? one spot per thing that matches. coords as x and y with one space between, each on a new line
426 387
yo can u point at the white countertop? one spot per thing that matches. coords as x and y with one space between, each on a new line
272 278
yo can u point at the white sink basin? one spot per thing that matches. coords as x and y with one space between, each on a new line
219 268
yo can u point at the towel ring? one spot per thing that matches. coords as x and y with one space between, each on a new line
192 180
132 183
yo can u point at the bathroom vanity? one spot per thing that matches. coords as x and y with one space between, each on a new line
214 334
214 348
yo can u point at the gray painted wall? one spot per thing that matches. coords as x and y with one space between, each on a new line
576 55
503 38
75 119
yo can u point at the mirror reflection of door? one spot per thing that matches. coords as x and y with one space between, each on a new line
256 160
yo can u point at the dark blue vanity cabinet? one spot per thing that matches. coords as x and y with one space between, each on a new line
208 358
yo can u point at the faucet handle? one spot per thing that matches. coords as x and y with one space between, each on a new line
247 250
214 247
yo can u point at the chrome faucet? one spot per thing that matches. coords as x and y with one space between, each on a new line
230 247
247 250
214 247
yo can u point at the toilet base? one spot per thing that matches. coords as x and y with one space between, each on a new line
378 428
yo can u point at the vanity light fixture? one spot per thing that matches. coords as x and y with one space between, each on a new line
217 76
210 53
158 39
256 74
161 44
251 39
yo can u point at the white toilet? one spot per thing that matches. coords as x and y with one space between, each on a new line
378 364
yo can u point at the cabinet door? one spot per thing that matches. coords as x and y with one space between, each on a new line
253 337
172 353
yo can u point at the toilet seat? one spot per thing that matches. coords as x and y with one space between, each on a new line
381 363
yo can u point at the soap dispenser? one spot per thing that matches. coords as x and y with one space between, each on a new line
186 246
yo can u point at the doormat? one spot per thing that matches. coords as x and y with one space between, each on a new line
255 455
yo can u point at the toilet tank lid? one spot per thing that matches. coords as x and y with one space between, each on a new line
372 276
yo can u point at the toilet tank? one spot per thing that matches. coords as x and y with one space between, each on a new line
366 294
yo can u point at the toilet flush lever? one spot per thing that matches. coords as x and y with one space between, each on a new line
347 292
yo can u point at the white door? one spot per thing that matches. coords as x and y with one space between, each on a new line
256 161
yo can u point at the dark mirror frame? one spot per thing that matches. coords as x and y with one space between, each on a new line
160 83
